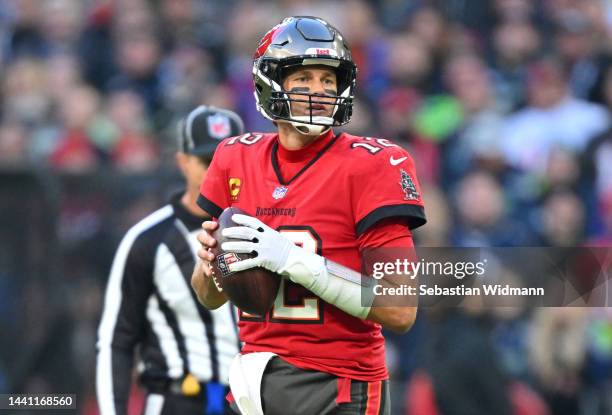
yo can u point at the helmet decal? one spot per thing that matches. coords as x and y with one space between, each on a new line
265 41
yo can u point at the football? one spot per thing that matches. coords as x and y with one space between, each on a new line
252 290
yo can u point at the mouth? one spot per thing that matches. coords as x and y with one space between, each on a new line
318 110
320 113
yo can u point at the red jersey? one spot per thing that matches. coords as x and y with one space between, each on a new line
325 204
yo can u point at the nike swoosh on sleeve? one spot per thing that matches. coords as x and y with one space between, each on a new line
395 162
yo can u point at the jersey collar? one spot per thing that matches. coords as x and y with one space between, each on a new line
306 153
313 152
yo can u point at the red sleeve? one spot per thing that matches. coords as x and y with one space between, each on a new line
386 241
215 189
385 186
387 233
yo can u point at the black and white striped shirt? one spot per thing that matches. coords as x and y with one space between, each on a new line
149 304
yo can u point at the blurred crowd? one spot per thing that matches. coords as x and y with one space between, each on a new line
505 105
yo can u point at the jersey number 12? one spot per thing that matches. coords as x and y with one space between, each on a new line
307 308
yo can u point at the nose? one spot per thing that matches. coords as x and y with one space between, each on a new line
317 87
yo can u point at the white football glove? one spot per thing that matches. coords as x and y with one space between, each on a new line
255 236
332 282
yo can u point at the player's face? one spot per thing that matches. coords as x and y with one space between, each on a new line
318 80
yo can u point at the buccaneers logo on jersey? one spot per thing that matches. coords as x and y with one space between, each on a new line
408 186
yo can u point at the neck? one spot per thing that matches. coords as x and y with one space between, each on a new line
291 139
189 199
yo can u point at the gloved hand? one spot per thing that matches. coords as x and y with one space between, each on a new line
332 282
271 247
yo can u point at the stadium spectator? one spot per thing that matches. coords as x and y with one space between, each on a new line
595 169
562 219
482 219
575 41
466 374
557 353
553 118
13 145
61 22
407 66
24 94
75 150
514 43
24 36
476 140
138 54
133 148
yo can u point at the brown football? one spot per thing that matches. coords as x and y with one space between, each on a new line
252 290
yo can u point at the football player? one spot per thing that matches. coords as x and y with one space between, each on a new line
317 200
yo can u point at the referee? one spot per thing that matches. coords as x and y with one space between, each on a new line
184 349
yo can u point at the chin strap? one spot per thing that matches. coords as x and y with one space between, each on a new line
307 129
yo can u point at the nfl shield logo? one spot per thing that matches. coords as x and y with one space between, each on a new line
224 261
279 192
218 126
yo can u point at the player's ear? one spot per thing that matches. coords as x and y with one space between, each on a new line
181 161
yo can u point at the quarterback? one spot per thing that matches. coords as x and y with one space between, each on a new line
316 200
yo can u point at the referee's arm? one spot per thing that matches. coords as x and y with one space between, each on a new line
123 322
